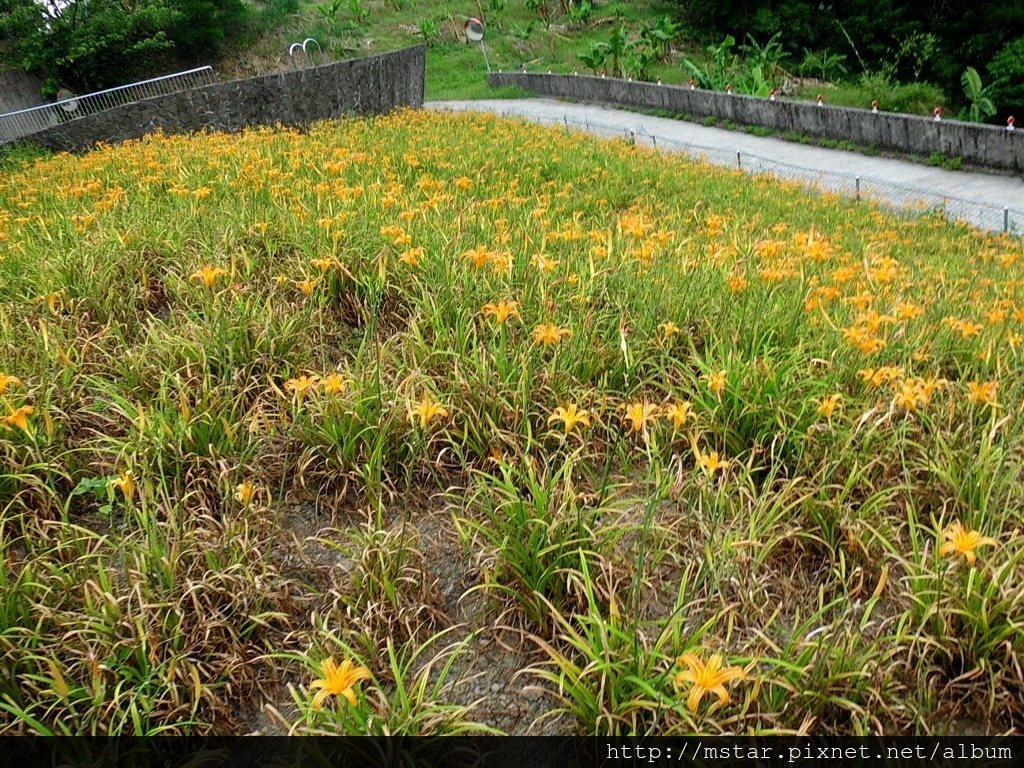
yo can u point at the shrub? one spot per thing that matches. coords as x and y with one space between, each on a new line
1007 73
911 98
940 160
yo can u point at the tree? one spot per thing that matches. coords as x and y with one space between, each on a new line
16 18
930 40
89 45
203 26
92 44
1007 73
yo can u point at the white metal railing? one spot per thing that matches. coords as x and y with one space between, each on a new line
14 125
307 52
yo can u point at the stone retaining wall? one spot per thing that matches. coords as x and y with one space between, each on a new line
19 90
983 145
374 85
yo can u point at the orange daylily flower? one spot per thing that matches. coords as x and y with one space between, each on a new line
548 334
338 681
716 381
300 385
829 404
334 384
208 275
126 484
244 492
502 311
18 417
679 413
427 410
570 416
7 380
983 393
961 541
638 414
706 678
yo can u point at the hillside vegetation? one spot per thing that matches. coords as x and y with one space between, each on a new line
381 423
852 54
515 34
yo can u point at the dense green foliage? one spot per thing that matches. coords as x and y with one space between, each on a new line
912 57
93 44
1007 72
908 40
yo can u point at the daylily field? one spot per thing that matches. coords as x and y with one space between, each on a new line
442 424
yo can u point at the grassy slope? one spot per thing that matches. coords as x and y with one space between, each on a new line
235 369
456 69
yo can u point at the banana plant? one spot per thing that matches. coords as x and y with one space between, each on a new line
579 13
639 61
520 32
756 84
540 7
722 69
659 36
595 57
823 64
720 54
618 48
981 107
766 56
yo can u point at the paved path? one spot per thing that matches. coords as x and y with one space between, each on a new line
976 197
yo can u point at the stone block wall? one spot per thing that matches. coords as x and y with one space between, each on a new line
374 85
19 90
983 145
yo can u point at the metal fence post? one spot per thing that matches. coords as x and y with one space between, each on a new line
890 195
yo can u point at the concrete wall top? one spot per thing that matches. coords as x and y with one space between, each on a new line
371 85
987 146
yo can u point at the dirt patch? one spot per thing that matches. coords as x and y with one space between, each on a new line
487 676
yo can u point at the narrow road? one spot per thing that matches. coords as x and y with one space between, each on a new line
986 200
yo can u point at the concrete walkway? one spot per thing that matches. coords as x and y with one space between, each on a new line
979 198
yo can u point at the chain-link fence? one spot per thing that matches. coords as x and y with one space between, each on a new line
900 198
